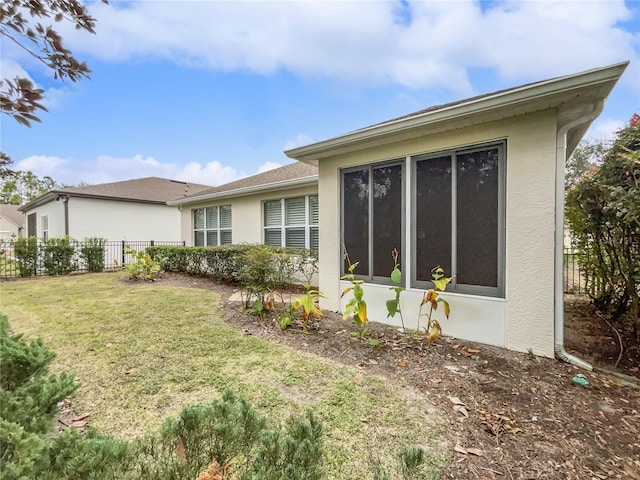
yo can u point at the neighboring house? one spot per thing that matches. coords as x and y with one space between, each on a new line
128 210
11 222
476 186
277 207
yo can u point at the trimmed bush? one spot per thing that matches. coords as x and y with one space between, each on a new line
92 252
26 251
58 256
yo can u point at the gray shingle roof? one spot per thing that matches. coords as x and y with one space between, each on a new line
292 171
10 212
149 189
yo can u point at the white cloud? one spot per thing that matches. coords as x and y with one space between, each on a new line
266 166
300 140
434 45
604 129
105 168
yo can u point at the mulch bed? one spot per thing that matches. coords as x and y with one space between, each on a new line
510 415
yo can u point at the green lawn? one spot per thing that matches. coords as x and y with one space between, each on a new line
143 351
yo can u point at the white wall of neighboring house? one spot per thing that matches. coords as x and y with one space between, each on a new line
113 220
8 230
521 320
54 211
247 224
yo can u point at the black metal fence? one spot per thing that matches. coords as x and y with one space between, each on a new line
575 280
115 256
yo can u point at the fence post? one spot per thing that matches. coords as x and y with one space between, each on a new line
152 243
123 257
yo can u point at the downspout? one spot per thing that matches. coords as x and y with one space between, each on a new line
561 157
65 200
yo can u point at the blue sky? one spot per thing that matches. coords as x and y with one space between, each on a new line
210 91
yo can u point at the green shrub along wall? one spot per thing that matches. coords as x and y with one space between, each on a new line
230 263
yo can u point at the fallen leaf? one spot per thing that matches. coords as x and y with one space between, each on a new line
475 451
456 346
81 417
473 350
455 400
130 371
402 363
435 380
464 353
461 409
460 449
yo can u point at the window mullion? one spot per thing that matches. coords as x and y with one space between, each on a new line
371 219
454 218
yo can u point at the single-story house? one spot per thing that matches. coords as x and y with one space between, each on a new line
474 186
129 210
11 222
277 207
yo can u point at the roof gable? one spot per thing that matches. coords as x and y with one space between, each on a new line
141 190
11 213
289 175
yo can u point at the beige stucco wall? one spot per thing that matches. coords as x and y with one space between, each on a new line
246 213
524 318
55 211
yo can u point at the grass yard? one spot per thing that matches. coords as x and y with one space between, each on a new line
141 352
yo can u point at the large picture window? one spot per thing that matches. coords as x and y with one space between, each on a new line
459 218
292 222
372 217
212 226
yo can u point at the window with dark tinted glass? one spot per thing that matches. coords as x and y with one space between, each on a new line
372 217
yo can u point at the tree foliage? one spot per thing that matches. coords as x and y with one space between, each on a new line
586 156
603 210
27 23
18 187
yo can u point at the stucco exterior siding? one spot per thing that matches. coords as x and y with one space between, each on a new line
115 220
55 211
524 317
246 213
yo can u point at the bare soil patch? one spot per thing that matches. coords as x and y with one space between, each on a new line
511 415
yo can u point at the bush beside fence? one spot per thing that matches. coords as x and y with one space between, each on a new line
26 257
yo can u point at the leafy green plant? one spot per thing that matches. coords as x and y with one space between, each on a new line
393 305
433 330
58 256
308 304
356 306
259 275
603 211
142 266
26 251
285 319
92 252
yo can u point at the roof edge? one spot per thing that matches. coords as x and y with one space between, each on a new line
492 101
239 192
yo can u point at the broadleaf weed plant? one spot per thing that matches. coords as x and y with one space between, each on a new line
433 330
142 266
308 304
356 306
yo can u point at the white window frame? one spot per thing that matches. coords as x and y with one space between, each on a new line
45 226
218 229
283 227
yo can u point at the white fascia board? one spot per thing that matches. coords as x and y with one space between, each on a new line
239 192
526 94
